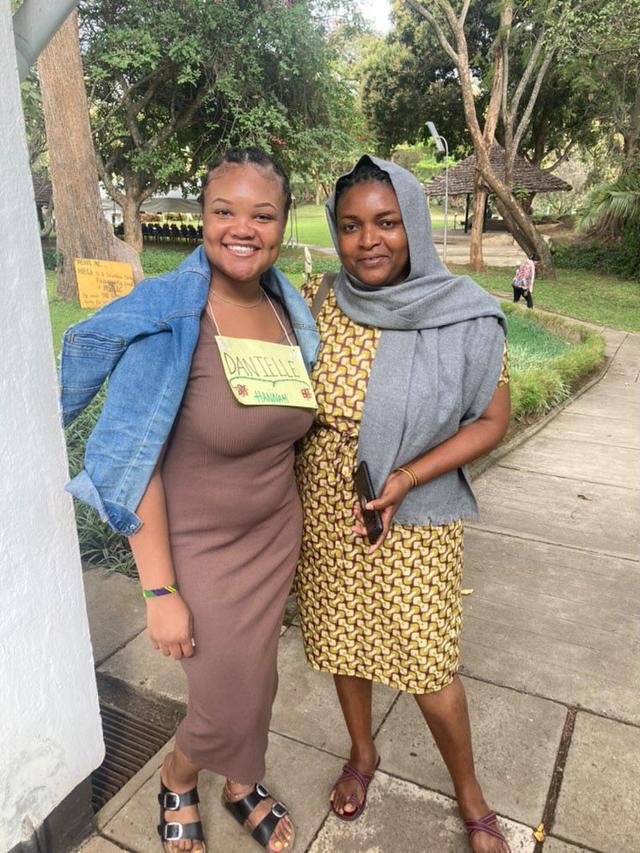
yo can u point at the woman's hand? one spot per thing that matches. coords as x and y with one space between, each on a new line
387 503
170 625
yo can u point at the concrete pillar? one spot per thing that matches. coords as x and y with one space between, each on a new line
50 734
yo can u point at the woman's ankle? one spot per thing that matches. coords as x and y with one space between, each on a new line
471 800
364 753
182 781
236 790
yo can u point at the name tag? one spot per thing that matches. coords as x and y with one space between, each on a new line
260 373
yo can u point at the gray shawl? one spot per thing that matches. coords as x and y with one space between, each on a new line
437 364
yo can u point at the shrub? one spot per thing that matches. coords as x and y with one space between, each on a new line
50 258
621 258
538 389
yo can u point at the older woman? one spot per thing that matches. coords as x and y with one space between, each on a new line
410 379
192 458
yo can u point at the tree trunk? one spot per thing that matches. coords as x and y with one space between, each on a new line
519 224
81 228
528 238
632 138
476 258
132 221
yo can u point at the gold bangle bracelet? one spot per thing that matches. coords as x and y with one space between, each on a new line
410 474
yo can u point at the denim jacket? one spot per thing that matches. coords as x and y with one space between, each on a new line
144 342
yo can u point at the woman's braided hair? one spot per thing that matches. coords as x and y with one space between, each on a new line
365 171
255 156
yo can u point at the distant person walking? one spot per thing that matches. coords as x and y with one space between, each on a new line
522 283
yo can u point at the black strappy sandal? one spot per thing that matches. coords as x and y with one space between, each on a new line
241 809
172 830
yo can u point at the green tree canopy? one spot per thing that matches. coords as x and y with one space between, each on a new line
409 79
174 82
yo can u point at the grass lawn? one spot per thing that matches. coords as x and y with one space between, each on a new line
603 299
312 225
531 345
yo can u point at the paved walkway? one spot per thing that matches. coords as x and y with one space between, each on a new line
551 663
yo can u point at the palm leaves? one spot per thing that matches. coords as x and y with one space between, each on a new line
613 209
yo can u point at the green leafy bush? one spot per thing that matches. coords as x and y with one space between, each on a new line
558 356
622 258
50 258
610 217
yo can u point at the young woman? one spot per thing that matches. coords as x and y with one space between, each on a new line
193 459
409 379
522 284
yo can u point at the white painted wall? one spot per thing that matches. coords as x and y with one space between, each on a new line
50 735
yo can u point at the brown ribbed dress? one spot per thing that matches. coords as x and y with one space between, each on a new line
234 524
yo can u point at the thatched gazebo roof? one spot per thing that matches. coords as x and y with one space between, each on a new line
526 177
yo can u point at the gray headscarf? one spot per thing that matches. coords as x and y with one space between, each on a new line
437 364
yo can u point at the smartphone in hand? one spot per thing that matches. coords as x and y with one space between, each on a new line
364 490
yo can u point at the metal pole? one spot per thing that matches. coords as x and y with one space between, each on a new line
446 198
34 25
439 140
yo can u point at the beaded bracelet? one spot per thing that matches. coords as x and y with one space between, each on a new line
410 474
163 590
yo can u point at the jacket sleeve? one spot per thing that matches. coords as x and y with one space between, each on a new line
89 354
92 348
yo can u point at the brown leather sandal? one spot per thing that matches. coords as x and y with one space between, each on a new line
349 773
172 830
488 824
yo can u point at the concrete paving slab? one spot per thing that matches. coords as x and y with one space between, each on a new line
298 774
96 844
562 591
627 371
553 621
617 384
614 341
630 350
402 817
623 372
144 668
562 511
599 799
572 426
578 460
116 611
613 402
307 707
627 360
555 845
515 742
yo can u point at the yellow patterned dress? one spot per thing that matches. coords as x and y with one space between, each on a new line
394 616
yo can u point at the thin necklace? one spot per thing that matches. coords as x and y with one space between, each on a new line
283 327
239 304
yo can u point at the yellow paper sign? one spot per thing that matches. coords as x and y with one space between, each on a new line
263 374
101 281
